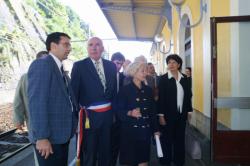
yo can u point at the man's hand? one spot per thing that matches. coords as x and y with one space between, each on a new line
44 147
19 126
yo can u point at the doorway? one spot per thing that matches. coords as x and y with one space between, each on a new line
230 38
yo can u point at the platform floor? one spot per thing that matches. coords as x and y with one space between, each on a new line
26 158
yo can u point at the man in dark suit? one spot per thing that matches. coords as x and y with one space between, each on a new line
94 85
51 106
118 59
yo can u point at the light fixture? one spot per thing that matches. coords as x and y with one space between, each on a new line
178 4
159 41
158 38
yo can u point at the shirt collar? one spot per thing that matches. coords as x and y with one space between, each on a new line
170 75
99 60
58 62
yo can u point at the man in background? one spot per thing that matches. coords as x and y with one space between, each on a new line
154 78
188 72
118 59
20 103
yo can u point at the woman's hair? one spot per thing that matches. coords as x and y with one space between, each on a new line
140 58
176 58
133 68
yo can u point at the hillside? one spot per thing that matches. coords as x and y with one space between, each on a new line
24 25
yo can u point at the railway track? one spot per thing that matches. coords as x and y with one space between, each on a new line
12 142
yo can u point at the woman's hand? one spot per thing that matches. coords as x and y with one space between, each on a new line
162 121
136 113
157 133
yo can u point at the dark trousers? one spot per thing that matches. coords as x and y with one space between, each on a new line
59 156
173 142
96 147
115 142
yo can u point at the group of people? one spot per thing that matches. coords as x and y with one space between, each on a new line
113 113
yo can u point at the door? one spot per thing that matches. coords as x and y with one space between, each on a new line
230 48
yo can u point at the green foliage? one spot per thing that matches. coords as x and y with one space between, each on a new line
57 17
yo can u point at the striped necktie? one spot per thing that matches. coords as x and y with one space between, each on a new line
100 74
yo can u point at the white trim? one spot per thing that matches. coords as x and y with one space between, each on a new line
185 15
206 44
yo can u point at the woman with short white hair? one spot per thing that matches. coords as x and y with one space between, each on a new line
136 110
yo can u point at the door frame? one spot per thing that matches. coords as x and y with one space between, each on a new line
221 134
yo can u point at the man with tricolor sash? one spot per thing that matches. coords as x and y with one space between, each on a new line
94 86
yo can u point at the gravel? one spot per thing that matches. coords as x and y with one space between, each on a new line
6 117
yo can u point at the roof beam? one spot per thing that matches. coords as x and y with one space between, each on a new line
157 30
163 16
145 10
133 18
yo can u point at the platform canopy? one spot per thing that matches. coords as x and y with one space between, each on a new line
136 20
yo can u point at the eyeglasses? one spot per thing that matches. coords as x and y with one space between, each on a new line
66 44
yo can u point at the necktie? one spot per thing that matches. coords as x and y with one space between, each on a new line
64 77
66 82
100 74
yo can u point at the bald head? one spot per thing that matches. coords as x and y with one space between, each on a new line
95 48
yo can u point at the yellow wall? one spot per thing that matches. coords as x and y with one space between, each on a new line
220 8
197 51
223 57
216 9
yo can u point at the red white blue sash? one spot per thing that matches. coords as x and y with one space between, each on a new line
97 107
100 107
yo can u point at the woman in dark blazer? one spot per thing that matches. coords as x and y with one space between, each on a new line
135 108
173 107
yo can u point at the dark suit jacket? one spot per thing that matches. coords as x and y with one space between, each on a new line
50 109
121 79
88 88
131 97
167 103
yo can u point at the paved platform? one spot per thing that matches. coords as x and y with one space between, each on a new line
26 158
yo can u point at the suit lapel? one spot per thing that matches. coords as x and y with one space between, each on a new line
93 73
106 72
58 75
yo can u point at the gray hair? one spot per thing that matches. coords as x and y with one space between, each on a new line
133 68
140 58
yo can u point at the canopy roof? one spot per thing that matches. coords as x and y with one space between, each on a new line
138 20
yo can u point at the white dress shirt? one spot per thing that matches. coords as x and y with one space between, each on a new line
58 62
180 91
59 65
118 80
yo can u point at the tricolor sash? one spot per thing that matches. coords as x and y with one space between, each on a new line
96 107
100 107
